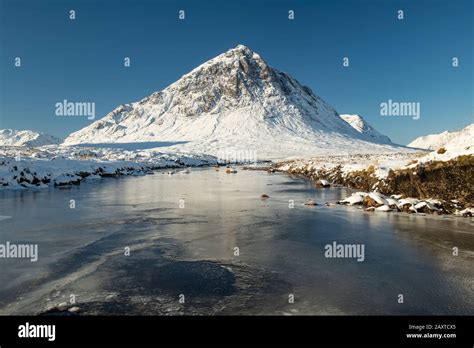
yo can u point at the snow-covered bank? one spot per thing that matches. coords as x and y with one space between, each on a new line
424 176
320 166
39 173
23 167
445 173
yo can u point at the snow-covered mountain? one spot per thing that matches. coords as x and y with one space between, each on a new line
362 126
456 140
11 137
234 102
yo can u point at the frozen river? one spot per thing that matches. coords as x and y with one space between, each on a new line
206 243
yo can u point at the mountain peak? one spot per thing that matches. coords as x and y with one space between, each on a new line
241 59
235 100
242 49
357 122
243 52
235 78
12 137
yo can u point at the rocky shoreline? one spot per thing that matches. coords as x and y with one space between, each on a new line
436 187
36 168
433 187
25 175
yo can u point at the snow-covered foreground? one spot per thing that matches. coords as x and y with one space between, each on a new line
23 167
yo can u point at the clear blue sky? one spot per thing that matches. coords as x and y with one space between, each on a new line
82 60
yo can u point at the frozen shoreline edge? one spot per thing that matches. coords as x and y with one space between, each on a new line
37 168
378 192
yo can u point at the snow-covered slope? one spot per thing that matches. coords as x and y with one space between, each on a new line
11 137
457 140
446 145
234 103
362 126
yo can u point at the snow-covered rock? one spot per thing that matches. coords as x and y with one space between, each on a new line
373 202
234 105
66 179
74 309
231 171
392 202
384 208
465 212
420 205
407 203
310 202
354 199
362 126
379 198
425 207
11 137
324 183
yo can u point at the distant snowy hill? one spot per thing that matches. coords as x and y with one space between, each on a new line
11 137
361 125
237 103
457 140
